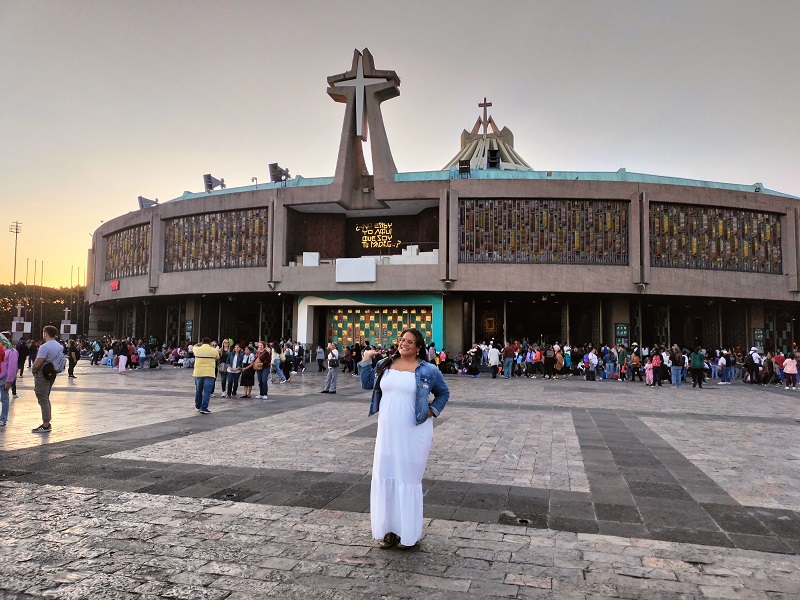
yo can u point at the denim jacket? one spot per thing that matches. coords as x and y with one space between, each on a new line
429 381
235 361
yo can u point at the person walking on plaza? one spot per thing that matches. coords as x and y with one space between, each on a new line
22 353
277 361
33 350
222 366
401 385
262 365
320 358
676 370
50 353
655 363
248 374
97 352
790 372
121 352
752 364
73 356
235 363
623 358
697 364
8 373
333 369
722 367
636 370
508 361
205 374
493 357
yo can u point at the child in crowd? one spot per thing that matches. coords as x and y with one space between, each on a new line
790 372
648 372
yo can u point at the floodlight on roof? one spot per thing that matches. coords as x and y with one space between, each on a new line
146 203
211 182
278 174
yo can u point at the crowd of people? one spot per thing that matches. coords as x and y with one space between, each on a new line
621 362
243 366
402 378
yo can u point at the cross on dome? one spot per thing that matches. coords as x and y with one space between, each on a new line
484 105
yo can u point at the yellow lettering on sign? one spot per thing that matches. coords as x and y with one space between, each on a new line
376 235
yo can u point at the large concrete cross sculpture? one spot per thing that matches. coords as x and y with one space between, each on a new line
360 82
362 89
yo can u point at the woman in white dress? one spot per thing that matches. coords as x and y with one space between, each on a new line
401 385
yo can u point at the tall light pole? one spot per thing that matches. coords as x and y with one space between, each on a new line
16 229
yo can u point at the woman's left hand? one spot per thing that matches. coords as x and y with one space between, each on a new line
369 354
430 413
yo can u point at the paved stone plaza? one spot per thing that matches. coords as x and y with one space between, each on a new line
562 489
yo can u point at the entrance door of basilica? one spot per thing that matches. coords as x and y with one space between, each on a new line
376 325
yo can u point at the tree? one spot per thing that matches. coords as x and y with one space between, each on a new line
43 306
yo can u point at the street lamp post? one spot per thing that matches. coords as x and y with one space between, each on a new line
16 229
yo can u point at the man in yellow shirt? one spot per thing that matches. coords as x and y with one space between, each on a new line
205 374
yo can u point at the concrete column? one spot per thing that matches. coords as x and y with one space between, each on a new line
156 266
790 253
635 238
101 321
756 320
453 235
192 314
444 238
472 306
278 238
669 325
619 313
644 236
505 320
100 248
454 323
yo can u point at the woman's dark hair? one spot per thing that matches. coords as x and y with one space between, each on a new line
420 343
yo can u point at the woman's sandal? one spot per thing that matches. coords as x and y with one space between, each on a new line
389 540
400 546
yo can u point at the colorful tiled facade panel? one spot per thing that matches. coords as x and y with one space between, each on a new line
128 252
220 240
376 325
587 232
721 239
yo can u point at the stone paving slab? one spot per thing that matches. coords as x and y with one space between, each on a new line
73 542
642 500
472 445
735 457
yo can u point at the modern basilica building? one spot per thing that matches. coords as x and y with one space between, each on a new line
486 247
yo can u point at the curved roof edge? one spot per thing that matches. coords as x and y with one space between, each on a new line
622 176
298 181
498 174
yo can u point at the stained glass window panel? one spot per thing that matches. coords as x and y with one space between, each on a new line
716 238
128 252
507 230
221 240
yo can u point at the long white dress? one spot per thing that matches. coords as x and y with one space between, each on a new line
401 454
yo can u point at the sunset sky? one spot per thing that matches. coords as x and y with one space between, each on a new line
106 101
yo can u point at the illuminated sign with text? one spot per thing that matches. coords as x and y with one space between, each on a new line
377 235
